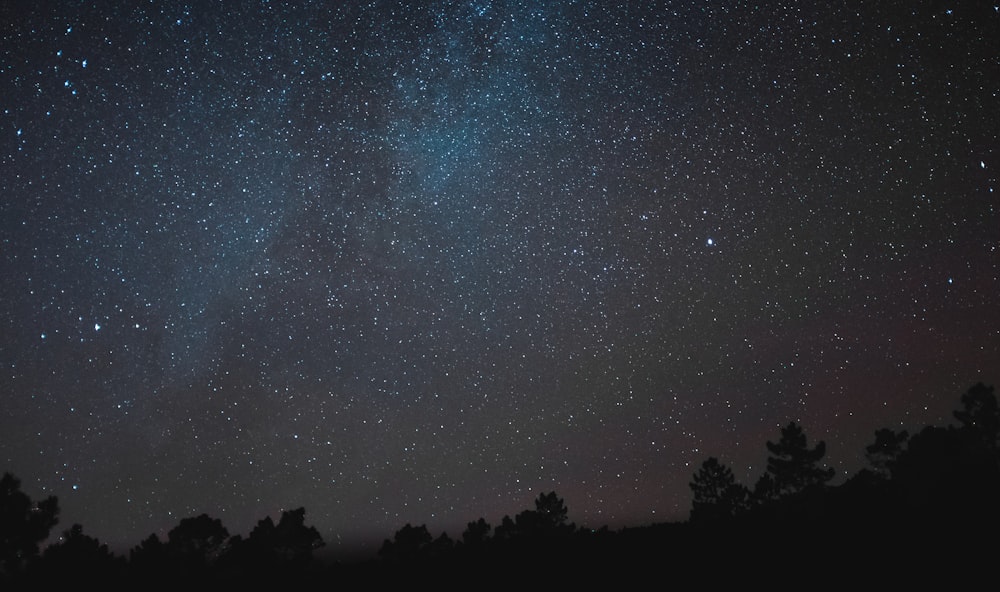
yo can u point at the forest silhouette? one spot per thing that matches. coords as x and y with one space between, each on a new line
925 507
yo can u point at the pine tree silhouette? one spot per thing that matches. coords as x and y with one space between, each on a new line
793 465
717 495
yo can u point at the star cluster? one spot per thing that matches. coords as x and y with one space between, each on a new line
416 262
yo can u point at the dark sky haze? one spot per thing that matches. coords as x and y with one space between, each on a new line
420 261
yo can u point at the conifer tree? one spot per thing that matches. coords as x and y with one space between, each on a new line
795 467
717 495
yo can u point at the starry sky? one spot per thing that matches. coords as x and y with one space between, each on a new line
420 261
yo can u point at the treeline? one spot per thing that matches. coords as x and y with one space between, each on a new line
927 504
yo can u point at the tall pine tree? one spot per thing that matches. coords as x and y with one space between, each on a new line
717 495
795 467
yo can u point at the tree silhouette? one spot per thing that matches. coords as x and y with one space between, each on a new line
79 557
289 541
764 490
793 466
273 550
547 519
717 496
440 546
506 530
882 454
980 414
23 524
552 509
950 476
197 543
476 533
408 544
149 559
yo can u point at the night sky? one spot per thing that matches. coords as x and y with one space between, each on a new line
420 261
